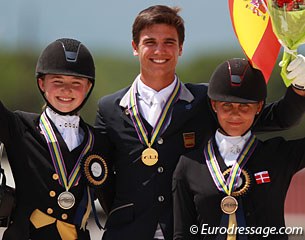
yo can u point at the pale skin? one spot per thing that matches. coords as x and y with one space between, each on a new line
65 93
158 51
236 118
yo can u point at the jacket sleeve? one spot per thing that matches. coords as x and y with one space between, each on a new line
105 194
8 121
295 154
283 114
184 208
99 119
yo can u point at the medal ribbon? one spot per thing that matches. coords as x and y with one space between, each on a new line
162 119
228 185
57 157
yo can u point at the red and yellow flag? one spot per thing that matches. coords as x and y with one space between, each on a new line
252 26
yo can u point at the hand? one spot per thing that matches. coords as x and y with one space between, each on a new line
296 73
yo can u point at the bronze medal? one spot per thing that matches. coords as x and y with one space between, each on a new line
229 205
149 156
66 200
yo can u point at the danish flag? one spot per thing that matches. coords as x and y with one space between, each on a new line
262 177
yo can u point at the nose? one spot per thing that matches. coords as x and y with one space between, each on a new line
66 88
235 110
159 48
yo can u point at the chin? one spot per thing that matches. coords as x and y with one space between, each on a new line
234 133
65 110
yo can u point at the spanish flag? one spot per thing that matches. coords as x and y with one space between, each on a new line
252 26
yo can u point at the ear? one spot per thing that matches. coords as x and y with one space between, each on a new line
213 104
260 107
180 49
41 84
89 86
135 48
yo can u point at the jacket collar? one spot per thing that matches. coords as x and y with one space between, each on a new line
185 94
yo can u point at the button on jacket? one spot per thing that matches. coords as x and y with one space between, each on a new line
37 185
197 199
137 208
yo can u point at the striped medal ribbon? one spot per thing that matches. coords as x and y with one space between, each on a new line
229 204
66 199
150 155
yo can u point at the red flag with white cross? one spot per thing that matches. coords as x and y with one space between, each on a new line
262 177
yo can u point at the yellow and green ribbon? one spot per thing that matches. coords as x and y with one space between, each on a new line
162 120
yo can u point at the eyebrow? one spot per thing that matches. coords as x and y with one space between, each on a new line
154 39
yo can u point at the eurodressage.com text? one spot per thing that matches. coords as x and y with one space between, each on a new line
263 231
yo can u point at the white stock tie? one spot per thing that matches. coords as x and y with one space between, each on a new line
69 130
155 110
68 127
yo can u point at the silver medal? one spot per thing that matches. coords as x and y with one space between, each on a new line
66 200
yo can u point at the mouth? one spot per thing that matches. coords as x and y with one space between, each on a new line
159 61
235 124
65 99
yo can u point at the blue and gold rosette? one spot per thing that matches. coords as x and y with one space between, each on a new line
94 169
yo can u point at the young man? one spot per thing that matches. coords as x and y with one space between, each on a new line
235 178
148 138
45 150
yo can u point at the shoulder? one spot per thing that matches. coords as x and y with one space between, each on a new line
100 139
102 144
27 117
273 144
280 144
197 88
114 97
281 148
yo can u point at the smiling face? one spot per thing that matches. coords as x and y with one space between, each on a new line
236 118
64 93
158 51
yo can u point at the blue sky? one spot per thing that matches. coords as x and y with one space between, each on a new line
106 25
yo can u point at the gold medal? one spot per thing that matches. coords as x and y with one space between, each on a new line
149 156
66 200
229 205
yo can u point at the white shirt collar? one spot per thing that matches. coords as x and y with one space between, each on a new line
185 94
147 93
68 127
230 147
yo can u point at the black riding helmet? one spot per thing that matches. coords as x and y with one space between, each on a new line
70 57
235 80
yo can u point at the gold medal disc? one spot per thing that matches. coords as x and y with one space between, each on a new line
149 156
229 205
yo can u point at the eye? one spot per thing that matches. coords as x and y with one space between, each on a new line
226 104
76 83
170 42
149 42
244 106
57 81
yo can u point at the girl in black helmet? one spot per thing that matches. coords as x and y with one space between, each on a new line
55 156
234 187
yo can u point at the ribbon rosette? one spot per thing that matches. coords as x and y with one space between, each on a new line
288 23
